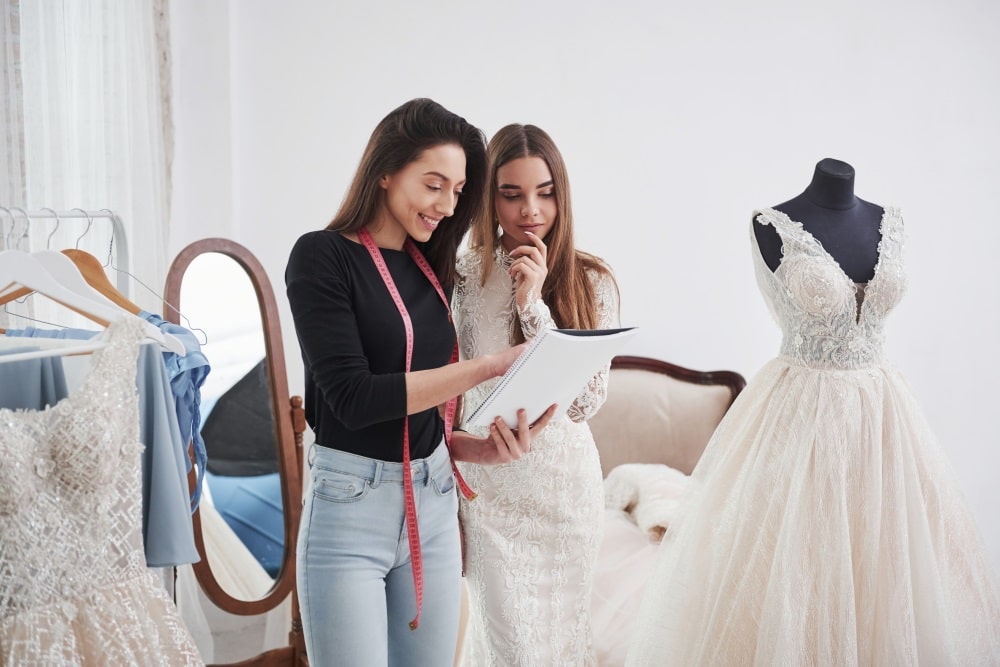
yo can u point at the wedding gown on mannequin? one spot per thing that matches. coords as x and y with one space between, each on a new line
824 525
74 586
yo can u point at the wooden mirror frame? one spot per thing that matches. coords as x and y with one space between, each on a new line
289 420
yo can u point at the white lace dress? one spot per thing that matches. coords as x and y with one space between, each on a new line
824 526
74 586
532 534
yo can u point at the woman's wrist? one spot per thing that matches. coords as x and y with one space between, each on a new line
459 445
491 367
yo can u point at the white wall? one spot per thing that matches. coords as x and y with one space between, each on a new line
676 120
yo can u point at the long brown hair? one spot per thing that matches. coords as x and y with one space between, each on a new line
399 139
567 290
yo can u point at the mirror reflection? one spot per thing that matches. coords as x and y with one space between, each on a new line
242 483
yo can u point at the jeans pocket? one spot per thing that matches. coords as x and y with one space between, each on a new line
339 487
444 484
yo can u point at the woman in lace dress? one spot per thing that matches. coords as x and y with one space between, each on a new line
532 534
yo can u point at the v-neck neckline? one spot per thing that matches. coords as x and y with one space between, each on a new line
861 308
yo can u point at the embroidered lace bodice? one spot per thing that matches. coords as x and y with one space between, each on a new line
74 586
486 314
827 321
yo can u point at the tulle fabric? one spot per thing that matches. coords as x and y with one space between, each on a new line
624 562
809 538
823 525
640 501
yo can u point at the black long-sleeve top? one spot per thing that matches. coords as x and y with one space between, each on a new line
353 345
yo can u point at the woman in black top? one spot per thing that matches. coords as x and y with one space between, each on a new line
369 296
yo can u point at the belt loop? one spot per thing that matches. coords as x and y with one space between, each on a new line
377 477
426 463
311 454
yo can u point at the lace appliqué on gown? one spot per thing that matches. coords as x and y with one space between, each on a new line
533 533
824 526
74 586
828 321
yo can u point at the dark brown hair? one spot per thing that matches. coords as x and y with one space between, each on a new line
567 290
399 139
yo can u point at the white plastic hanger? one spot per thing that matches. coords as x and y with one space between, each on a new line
64 270
82 347
21 269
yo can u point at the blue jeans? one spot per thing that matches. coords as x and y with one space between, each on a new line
354 578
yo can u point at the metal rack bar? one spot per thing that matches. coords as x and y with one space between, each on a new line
117 234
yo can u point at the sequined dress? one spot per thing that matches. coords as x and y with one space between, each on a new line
74 586
824 524
532 534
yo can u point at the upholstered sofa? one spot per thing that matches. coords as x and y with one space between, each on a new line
658 412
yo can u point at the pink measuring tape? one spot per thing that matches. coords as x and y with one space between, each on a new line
410 506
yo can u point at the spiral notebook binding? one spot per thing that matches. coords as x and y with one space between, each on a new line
509 375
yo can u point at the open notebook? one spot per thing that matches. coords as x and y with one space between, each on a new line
554 368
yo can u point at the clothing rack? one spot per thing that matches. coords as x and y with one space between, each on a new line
118 237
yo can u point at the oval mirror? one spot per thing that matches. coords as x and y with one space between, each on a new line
253 483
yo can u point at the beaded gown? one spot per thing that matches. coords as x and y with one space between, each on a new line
74 586
533 533
824 525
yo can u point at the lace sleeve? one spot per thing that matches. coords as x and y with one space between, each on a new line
593 395
534 316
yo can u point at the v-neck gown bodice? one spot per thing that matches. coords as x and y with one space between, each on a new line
823 525
74 586
826 320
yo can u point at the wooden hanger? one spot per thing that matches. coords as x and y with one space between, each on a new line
93 273
22 269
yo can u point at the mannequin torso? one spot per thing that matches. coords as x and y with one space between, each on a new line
847 227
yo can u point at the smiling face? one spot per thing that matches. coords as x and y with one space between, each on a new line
420 195
525 200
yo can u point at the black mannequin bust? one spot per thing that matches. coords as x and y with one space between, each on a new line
848 227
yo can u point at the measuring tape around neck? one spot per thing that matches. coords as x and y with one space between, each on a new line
416 560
